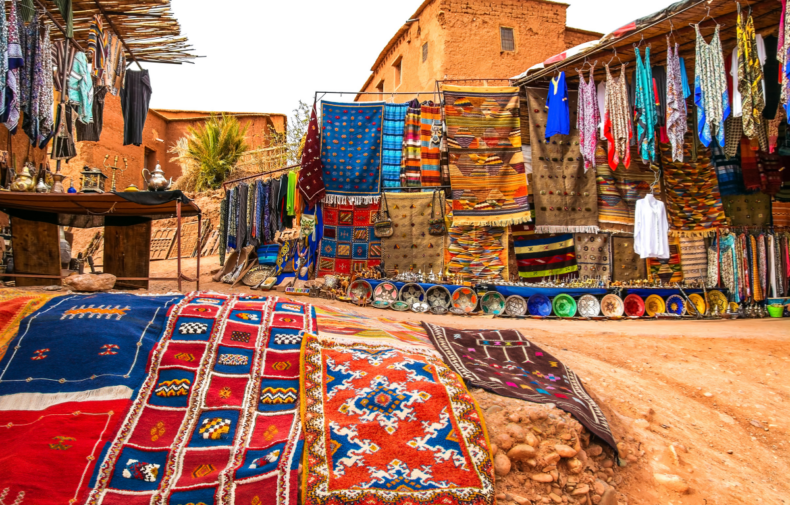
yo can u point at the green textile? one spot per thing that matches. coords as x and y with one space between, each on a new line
289 202
27 10
64 6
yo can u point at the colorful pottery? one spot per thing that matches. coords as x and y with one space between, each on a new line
412 293
465 299
539 305
381 304
360 289
634 305
698 302
399 306
420 307
612 306
589 306
438 310
654 304
718 299
676 305
564 305
493 303
438 296
515 306
386 291
734 307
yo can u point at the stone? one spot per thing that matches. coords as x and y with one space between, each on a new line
672 482
514 417
494 449
565 451
755 423
599 486
531 439
582 456
493 409
594 450
551 458
596 499
521 452
503 441
607 463
641 423
727 419
583 489
519 499
53 288
542 477
609 497
575 466
555 498
516 432
90 282
501 464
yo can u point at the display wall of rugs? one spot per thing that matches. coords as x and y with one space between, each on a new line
544 256
349 244
478 252
593 255
693 259
667 270
748 210
411 246
487 174
627 266
566 197
619 190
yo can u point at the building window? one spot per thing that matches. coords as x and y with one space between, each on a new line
380 89
508 42
425 52
398 65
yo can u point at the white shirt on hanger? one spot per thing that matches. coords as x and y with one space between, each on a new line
650 229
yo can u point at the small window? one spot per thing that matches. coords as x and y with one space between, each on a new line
380 86
425 52
508 42
398 71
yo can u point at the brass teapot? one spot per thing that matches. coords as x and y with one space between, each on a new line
156 180
23 181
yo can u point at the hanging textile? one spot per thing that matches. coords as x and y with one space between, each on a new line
693 259
750 76
81 89
3 61
544 256
411 247
748 210
478 253
728 171
644 108
135 97
558 111
36 84
618 191
729 266
290 209
749 166
733 129
430 138
770 166
241 213
66 12
16 62
659 74
781 213
710 89
669 270
627 266
489 184
97 47
412 144
592 255
114 57
29 40
63 146
311 177
223 227
92 131
617 122
233 219
762 264
754 263
676 116
713 265
650 228
587 118
684 78
348 244
392 144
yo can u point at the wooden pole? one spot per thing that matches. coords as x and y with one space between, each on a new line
58 25
200 251
178 237
114 29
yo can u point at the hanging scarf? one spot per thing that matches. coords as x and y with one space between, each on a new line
267 214
290 209
3 59
750 76
311 181
676 104
728 261
617 125
223 227
233 218
588 116
713 265
762 264
710 89
754 263
97 47
644 108
16 61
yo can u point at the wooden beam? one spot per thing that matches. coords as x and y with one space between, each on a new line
117 32
58 25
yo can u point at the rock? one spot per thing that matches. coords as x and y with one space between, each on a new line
599 486
583 489
727 419
532 462
501 464
755 423
493 409
542 477
609 497
494 449
641 423
90 282
53 288
607 463
514 417
708 395
519 499
575 466
516 432
672 482
555 498
596 499
521 452
531 439
594 450
503 441
565 451
551 458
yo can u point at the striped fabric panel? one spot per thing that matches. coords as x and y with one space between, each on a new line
392 143
97 46
430 139
410 162
542 256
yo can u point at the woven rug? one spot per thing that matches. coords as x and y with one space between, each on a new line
392 144
50 454
506 363
592 255
627 266
669 271
344 325
15 305
216 420
748 210
565 194
544 256
311 176
412 144
781 213
82 347
411 246
384 426
349 244
693 259
487 175
618 191
430 139
478 253
351 151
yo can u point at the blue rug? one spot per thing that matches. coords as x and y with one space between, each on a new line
394 121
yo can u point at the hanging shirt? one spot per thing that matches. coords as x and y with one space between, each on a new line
81 87
558 121
650 229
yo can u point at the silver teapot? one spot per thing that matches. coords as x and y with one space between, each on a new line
156 180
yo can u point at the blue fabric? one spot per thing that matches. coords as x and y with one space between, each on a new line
728 172
703 128
80 343
684 79
392 143
645 108
558 121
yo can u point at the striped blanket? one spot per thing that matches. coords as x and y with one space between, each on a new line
412 144
544 256
430 138
392 144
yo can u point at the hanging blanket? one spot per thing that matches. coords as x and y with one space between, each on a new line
311 177
543 256
412 144
669 271
693 259
80 347
478 253
627 266
349 244
565 194
351 151
592 255
216 420
411 246
385 426
16 305
430 139
392 144
781 213
728 171
619 190
748 210
344 325
489 182
506 363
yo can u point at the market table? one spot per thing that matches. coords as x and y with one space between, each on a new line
523 291
126 217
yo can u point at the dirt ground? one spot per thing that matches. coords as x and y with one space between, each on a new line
702 400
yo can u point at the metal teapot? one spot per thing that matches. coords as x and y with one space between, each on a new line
156 180
23 181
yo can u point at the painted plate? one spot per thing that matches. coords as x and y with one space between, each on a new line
256 275
360 289
399 306
564 305
654 304
493 303
539 305
698 302
612 305
676 305
718 299
465 299
381 304
420 307
589 306
439 310
515 305
412 293
634 305
386 292
438 296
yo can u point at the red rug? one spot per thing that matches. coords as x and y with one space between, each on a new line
15 306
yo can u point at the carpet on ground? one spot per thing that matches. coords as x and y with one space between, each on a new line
506 363
15 305
487 174
478 253
384 426
349 244
411 247
544 256
216 420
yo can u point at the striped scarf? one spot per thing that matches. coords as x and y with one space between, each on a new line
430 138
410 162
97 46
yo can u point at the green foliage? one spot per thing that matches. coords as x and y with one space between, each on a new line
293 136
215 148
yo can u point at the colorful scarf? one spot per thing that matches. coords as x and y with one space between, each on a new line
478 253
762 264
587 119
412 145
644 108
754 262
617 121
223 227
541 257
710 89
430 138
729 266
750 76
3 61
676 116
349 243
311 176
16 61
392 144
97 46
351 151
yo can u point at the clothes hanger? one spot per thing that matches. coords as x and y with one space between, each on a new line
656 173
672 32
706 16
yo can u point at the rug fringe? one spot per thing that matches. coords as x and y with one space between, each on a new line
41 401
333 199
476 221
692 233
566 229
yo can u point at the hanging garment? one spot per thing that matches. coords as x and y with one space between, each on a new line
38 117
733 129
97 47
63 147
659 74
392 144
3 61
755 277
676 115
81 88
732 84
588 117
290 209
601 108
311 180
232 219
617 127
274 213
713 265
684 77
64 56
430 138
762 263
728 172
559 119
67 13
92 131
114 52
650 229
410 161
241 213
644 108
135 97
16 61
729 266
286 220
710 89
771 82
223 227
29 39
750 76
